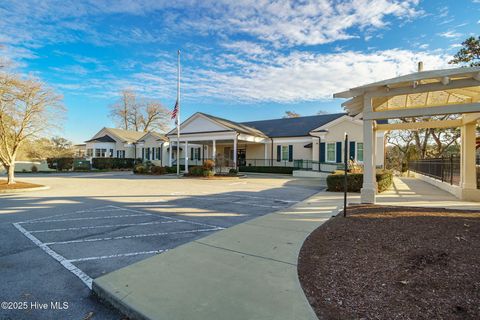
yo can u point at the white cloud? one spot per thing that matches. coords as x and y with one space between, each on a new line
450 34
287 23
306 76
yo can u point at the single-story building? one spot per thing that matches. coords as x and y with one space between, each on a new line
118 143
312 142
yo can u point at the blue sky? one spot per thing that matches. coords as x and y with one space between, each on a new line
242 60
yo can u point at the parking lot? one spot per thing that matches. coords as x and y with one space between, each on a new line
89 225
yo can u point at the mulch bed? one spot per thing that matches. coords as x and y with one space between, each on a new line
18 185
394 263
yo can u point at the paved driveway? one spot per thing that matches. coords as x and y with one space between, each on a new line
54 242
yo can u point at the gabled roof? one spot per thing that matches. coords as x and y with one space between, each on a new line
126 135
292 127
105 138
239 127
157 136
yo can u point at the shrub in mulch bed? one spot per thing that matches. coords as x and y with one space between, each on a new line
335 182
394 263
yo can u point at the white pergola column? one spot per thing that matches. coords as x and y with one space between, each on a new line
468 176
369 188
235 141
170 152
186 156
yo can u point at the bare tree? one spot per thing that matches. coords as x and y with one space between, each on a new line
135 113
154 117
120 110
28 108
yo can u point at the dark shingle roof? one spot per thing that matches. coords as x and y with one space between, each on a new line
292 127
105 138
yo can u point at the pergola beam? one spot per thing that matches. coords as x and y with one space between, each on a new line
425 111
472 117
438 86
420 125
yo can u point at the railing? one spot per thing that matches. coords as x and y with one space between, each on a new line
298 164
445 169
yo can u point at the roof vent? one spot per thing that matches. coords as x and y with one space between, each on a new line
420 66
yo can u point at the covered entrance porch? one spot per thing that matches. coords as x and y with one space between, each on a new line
228 144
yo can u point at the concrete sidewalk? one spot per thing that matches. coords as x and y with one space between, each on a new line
248 271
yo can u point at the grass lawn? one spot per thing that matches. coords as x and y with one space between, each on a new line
18 185
394 263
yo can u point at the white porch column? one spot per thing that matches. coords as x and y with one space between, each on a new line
235 152
186 156
170 151
369 188
468 176
214 151
265 156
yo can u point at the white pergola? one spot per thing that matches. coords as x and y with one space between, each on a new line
420 94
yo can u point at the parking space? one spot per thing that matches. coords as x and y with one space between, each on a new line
86 241
84 227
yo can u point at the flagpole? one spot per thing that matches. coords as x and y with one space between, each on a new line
178 113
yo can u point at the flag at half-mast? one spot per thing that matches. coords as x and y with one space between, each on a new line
175 111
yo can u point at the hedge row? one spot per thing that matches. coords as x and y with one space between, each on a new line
60 164
113 163
266 169
335 182
147 168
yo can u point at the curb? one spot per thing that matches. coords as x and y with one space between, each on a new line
24 190
109 299
115 294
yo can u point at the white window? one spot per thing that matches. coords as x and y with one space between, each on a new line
331 152
285 153
360 151
100 153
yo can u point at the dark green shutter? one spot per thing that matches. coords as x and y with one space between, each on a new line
191 153
290 153
153 153
339 152
322 152
143 153
352 150
279 153
198 155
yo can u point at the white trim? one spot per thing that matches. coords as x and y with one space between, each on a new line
191 118
332 123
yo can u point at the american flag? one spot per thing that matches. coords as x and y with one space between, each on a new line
175 110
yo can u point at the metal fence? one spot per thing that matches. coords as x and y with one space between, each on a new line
446 169
299 164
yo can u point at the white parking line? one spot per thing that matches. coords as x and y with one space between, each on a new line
178 220
105 226
132 236
67 264
90 218
117 256
74 212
